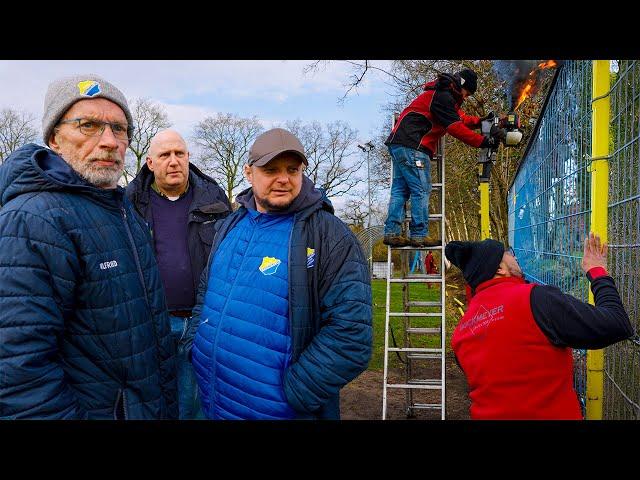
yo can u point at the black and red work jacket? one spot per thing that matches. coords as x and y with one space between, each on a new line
514 345
431 115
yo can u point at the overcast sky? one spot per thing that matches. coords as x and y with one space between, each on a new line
273 91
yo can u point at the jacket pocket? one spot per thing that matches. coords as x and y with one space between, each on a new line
206 232
217 209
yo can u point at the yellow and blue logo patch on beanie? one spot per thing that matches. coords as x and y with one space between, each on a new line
269 265
89 88
311 257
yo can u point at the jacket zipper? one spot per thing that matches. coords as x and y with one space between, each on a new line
185 324
146 299
121 399
135 255
290 353
124 404
220 323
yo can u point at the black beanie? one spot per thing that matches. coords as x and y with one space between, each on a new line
479 261
468 80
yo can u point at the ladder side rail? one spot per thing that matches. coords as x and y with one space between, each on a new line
386 335
443 310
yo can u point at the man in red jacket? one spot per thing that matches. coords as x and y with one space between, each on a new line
514 342
412 143
430 266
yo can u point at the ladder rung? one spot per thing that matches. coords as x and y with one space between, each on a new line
435 247
424 356
436 185
423 330
426 406
432 216
423 304
409 386
416 280
414 314
431 381
415 350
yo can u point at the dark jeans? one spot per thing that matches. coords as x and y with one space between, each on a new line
188 401
411 179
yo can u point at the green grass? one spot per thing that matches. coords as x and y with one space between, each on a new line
418 292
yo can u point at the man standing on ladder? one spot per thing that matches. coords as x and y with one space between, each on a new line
412 144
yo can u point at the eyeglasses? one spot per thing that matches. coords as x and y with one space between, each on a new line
94 128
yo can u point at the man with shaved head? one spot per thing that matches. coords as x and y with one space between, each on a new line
180 204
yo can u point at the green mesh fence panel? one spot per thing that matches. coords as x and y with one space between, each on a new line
622 360
549 201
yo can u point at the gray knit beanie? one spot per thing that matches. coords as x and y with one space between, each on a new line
64 92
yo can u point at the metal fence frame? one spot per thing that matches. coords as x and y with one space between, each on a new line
622 360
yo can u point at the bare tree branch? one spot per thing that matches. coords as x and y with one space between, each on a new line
16 130
148 119
224 142
329 150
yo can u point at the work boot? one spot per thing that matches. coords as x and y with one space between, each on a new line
422 242
395 241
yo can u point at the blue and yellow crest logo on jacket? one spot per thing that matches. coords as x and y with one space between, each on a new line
269 265
311 257
89 88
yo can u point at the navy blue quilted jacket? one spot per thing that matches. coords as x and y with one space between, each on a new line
209 204
84 331
329 305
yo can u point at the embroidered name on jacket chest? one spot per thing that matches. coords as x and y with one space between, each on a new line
108 265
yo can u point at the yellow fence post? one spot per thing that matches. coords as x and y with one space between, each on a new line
484 210
599 211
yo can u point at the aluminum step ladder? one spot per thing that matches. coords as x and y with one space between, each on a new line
414 357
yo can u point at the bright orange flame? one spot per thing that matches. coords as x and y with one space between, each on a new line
525 93
526 90
547 64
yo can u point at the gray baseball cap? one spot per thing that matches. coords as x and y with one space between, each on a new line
272 143
66 91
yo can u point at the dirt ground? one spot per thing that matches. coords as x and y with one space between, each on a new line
362 398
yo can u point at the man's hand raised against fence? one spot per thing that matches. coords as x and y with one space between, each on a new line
595 253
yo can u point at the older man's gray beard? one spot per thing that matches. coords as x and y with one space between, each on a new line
100 176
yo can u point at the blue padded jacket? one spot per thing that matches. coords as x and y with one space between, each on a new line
84 331
245 322
329 307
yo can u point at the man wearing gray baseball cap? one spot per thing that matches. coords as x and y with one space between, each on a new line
284 306
83 320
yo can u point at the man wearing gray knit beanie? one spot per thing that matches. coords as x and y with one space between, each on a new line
83 317
77 111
